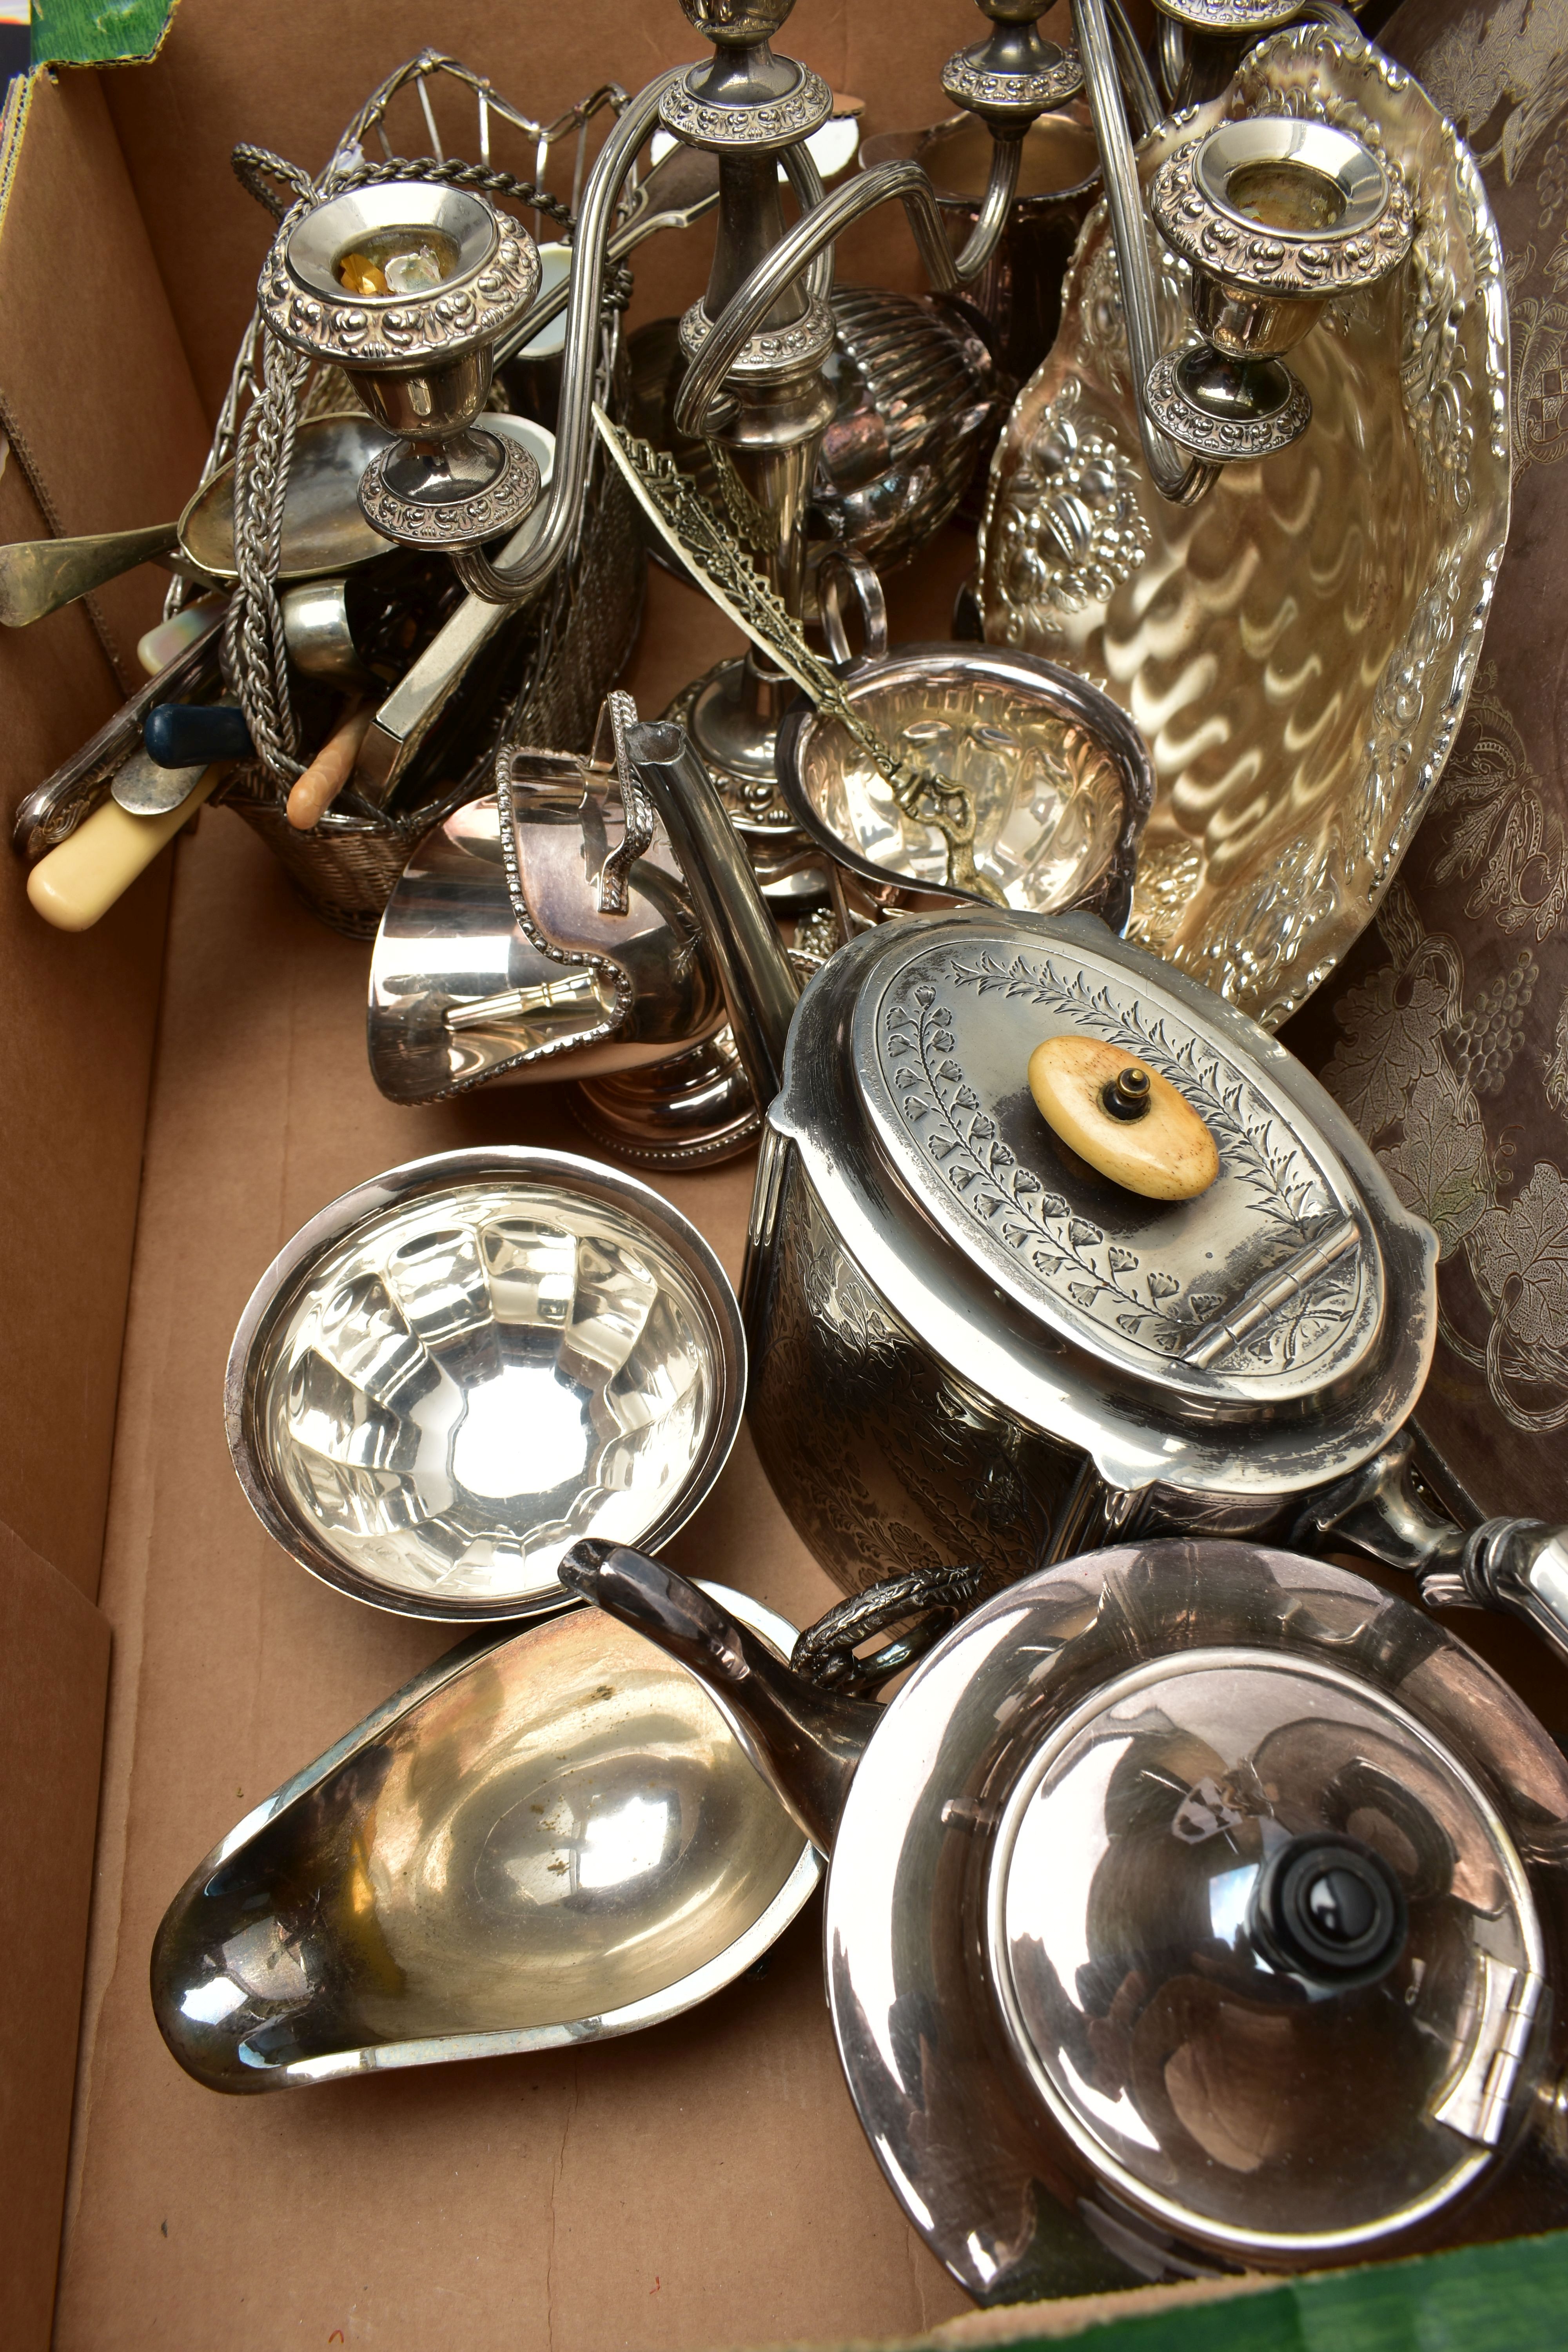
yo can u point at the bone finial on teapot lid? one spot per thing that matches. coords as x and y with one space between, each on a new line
1123 1118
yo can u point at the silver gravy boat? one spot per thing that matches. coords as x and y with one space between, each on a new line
544 1839
1191 1908
966 1344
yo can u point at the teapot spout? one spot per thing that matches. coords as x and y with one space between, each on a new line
805 1743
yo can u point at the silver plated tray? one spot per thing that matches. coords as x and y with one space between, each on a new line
1297 646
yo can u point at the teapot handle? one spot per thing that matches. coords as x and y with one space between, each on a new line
804 1742
1517 1565
934 1597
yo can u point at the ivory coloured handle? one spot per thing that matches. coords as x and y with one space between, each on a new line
1159 1148
78 883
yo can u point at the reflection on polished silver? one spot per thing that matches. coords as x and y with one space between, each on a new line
459 1368
758 338
1060 778
407 285
551 1841
1300 738
1081 2035
498 957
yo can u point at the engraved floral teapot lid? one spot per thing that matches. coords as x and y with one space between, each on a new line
1293 1292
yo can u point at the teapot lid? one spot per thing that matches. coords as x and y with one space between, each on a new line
1269 1332
1266 1949
1268 1286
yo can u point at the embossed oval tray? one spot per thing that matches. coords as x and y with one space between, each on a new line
1297 646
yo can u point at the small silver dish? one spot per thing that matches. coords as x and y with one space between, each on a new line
460 1368
543 1840
1061 780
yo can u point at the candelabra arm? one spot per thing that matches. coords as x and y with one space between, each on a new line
1001 187
1137 80
1170 46
807 181
556 517
811 236
1181 479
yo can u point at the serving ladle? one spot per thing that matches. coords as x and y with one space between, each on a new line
324 530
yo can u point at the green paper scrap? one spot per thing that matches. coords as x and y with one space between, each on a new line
99 32
1508 2298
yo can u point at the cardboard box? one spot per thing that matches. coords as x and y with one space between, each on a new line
184 1087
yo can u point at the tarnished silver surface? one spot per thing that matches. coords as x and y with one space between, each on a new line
1073 2037
145 789
1297 648
967 1346
1060 781
542 1841
456 1369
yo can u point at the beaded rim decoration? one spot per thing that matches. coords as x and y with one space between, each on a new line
1231 16
969 83
776 123
805 341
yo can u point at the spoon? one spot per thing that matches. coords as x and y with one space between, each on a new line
323 528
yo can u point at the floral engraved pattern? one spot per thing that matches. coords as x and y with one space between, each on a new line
883 1463
1412 1068
1072 1258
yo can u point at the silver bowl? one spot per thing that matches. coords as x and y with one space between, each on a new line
1061 781
458 1368
555 1839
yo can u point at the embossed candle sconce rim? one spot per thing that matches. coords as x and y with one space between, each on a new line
1293 265
419 355
466 224
1282 157
395 1366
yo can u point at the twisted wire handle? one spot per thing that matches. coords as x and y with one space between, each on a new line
935 1597
255 653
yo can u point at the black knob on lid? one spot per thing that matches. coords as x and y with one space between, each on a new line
1329 1908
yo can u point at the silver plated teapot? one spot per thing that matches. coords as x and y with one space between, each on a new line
969 1344
1191 1908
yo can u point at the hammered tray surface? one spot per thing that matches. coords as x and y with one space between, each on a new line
1297 646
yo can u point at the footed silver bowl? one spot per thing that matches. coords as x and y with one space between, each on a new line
458 1368
1060 778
